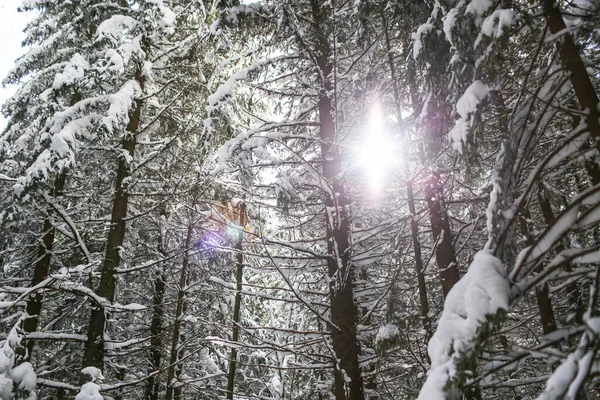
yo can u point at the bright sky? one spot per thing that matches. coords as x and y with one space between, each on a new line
11 35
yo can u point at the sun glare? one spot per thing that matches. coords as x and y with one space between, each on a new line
376 150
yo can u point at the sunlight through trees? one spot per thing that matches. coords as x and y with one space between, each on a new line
302 200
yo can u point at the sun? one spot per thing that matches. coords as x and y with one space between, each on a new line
376 151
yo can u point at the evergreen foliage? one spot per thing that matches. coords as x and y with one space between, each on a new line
302 200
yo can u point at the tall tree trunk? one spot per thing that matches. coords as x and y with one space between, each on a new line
542 294
120 375
442 234
414 227
40 271
93 355
42 265
573 294
156 331
173 363
584 90
348 381
434 128
178 390
156 327
238 301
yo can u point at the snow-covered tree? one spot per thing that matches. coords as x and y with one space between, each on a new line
303 200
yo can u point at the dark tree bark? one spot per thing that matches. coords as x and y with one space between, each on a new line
542 294
573 294
348 381
410 197
434 125
238 301
584 90
442 234
94 347
120 375
156 330
178 390
40 272
174 366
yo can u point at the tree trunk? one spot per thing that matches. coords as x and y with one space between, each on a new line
158 312
348 382
414 227
173 363
156 330
178 391
236 308
40 272
120 375
574 296
442 234
94 347
542 294
584 90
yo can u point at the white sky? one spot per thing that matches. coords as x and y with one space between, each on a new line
11 35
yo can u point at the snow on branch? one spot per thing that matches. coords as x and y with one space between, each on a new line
467 105
497 24
116 26
67 127
255 139
244 10
89 391
166 17
226 89
120 105
418 36
73 71
20 377
566 381
24 63
472 302
477 8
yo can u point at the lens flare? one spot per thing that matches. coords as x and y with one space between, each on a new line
211 240
376 151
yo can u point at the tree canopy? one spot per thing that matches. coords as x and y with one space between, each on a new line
302 200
